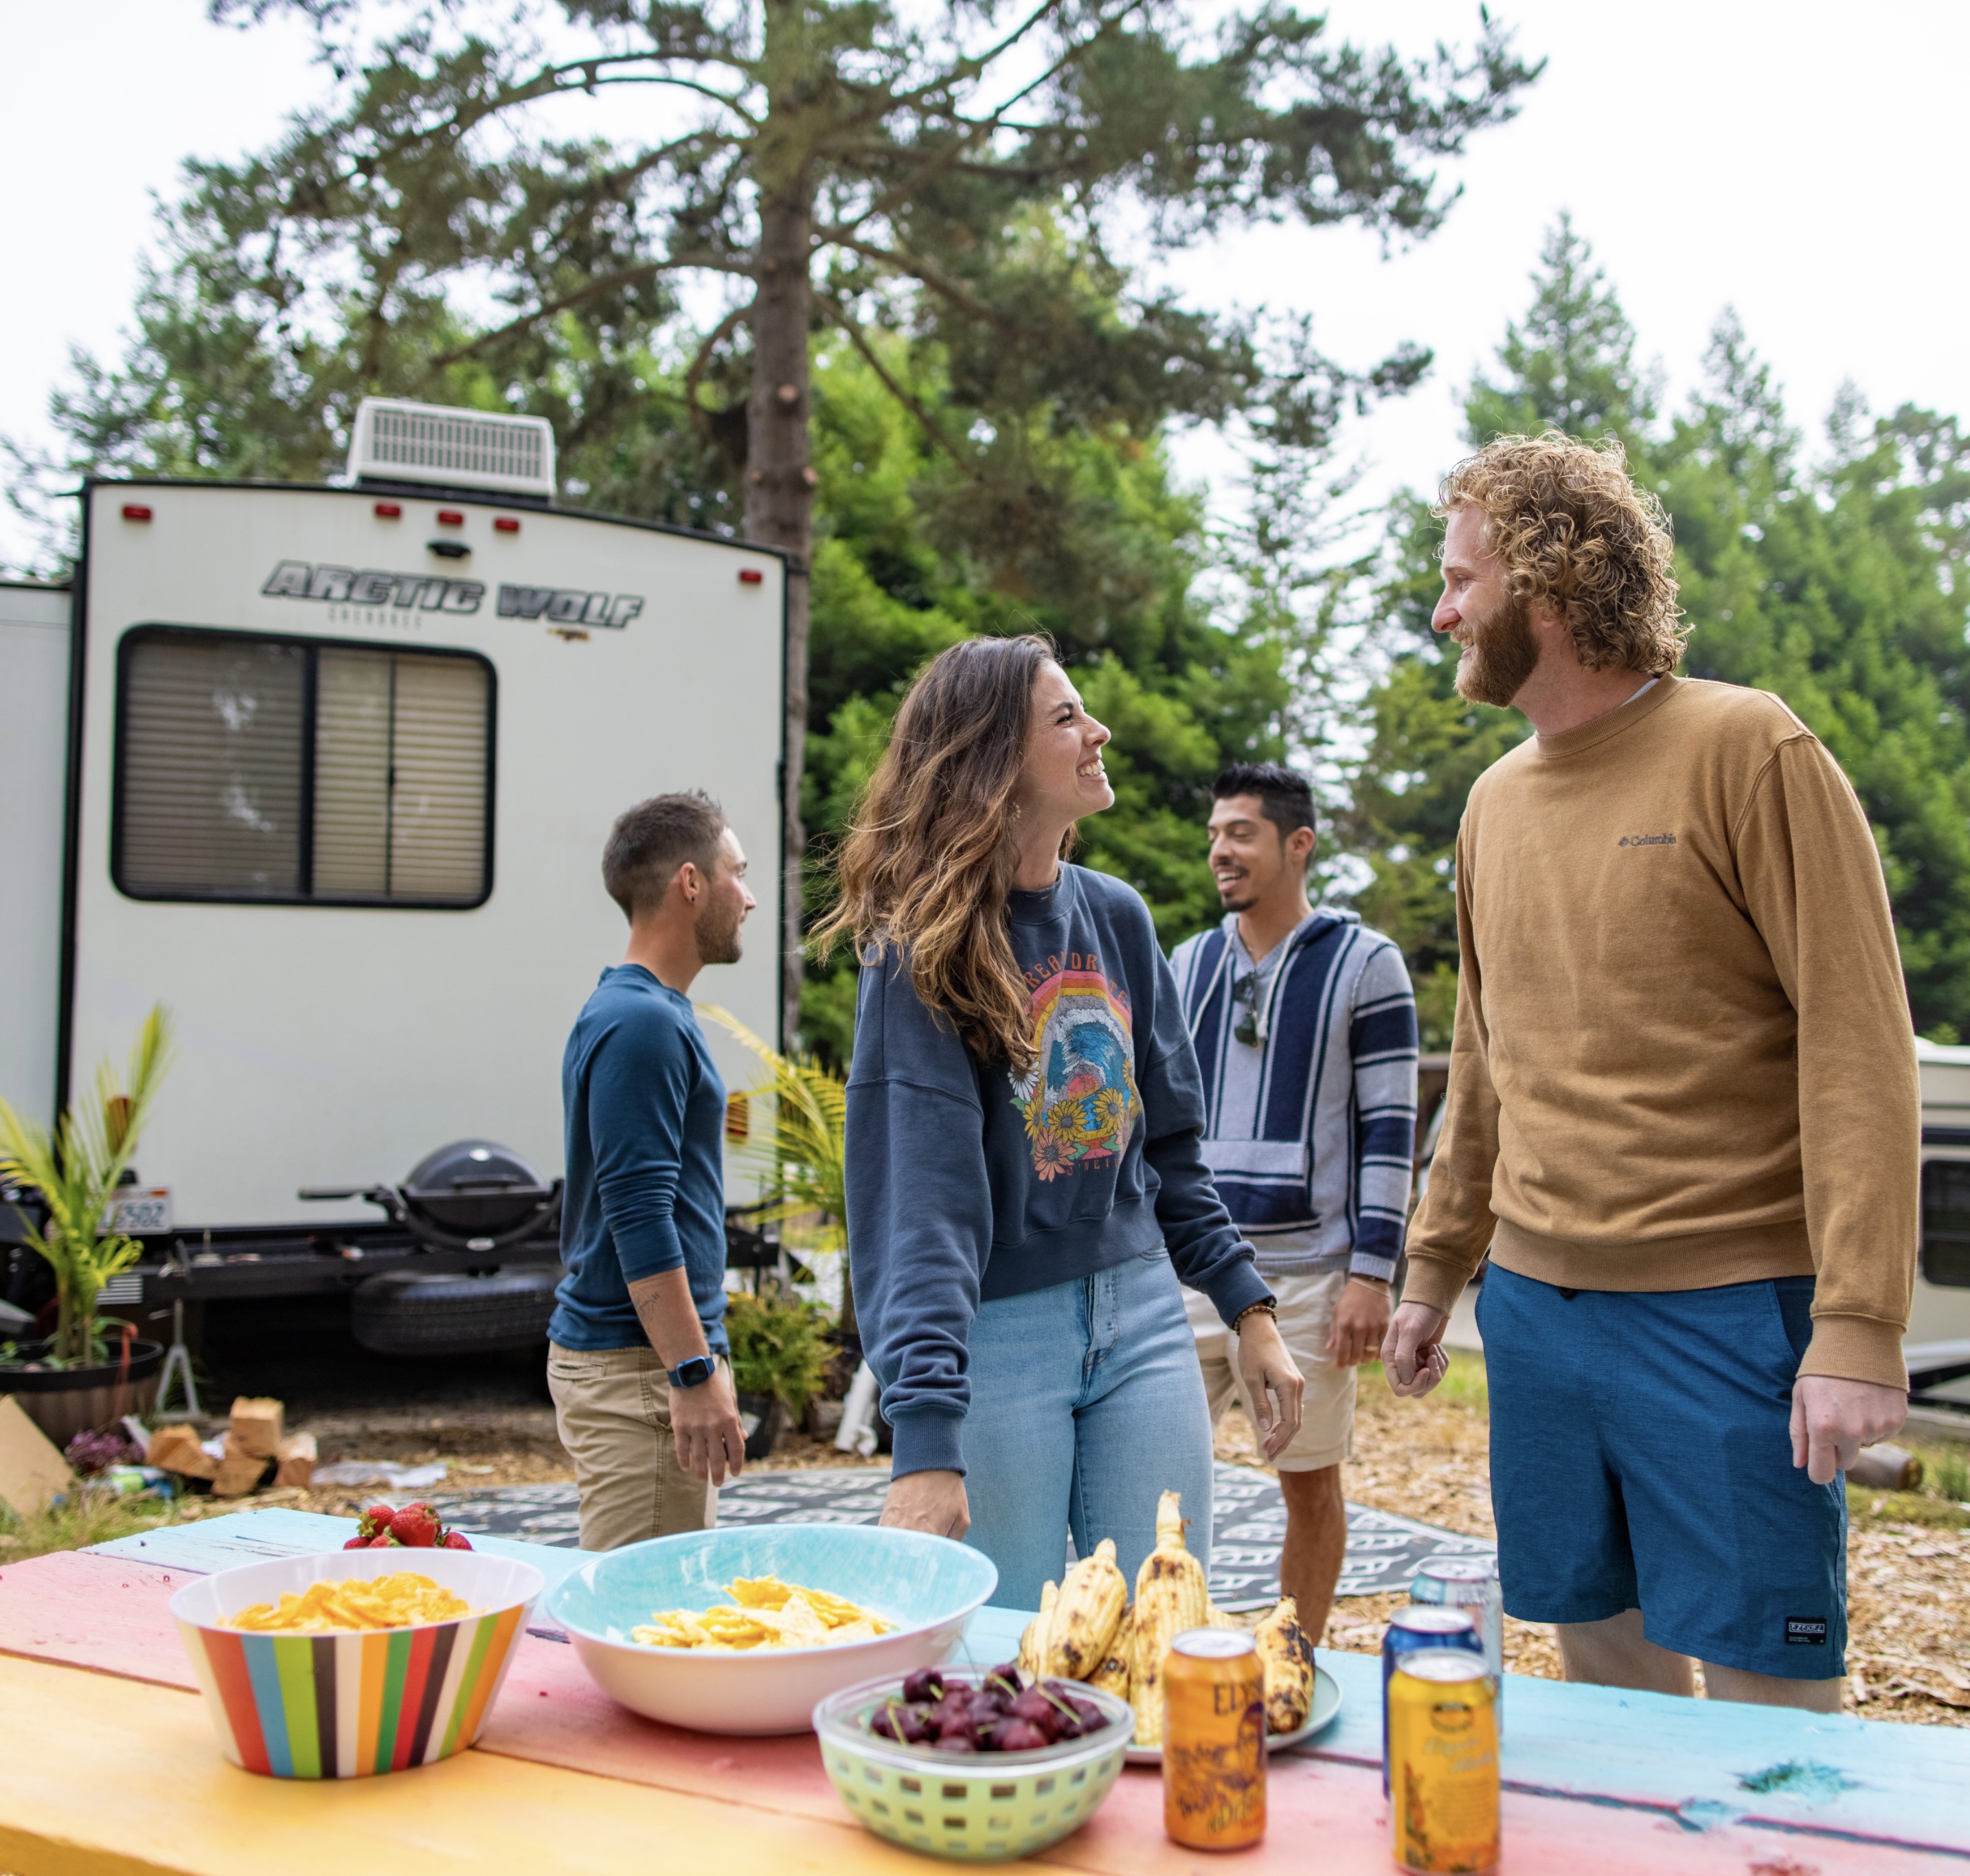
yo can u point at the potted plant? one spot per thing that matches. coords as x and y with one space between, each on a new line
74 1380
780 1355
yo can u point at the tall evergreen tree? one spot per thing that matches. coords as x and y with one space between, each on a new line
1837 585
847 164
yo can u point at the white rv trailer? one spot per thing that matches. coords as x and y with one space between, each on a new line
338 766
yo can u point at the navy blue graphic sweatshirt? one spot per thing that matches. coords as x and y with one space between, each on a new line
644 1107
967 1183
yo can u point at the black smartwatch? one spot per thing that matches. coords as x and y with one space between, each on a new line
698 1368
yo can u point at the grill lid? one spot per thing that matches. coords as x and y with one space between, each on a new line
475 1186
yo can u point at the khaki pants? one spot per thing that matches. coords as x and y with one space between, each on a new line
1306 1304
612 1410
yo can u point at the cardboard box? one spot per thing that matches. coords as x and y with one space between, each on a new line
256 1427
32 1470
239 1473
176 1449
297 1456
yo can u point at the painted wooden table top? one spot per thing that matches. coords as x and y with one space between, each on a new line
107 1763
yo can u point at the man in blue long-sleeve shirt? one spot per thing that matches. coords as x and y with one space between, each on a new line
642 1393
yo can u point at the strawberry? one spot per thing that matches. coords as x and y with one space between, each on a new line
358 1542
417 1527
374 1522
457 1540
386 1542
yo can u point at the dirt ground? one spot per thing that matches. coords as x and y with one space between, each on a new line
1908 1554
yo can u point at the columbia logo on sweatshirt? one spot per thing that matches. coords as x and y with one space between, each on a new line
1647 840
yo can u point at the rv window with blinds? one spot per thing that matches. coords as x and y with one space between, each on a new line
296 771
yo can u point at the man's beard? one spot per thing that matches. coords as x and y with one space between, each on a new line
716 931
1501 656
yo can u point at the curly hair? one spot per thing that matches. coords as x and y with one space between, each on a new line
1575 534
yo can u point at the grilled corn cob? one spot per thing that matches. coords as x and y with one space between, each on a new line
1171 1596
1287 1655
1215 1617
1033 1640
1084 1620
1112 1676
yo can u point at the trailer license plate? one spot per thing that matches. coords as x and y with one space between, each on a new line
141 1211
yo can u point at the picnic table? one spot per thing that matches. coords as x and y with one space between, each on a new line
107 1763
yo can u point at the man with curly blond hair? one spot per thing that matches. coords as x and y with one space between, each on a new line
1683 1115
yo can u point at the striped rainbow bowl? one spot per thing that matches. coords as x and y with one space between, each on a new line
347 1705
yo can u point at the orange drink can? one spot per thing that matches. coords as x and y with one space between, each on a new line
1214 1740
1443 1763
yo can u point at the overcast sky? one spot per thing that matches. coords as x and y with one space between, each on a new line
1804 162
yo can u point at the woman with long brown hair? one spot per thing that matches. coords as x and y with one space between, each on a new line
1025 1184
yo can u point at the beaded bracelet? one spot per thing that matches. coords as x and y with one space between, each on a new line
1268 1308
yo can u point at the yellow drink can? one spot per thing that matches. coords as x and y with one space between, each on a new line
1443 1765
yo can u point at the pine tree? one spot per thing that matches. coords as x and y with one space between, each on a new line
1839 586
843 163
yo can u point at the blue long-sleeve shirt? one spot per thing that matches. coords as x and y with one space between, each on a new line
644 1108
965 1183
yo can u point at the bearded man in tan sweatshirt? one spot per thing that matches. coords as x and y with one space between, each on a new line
1683 1115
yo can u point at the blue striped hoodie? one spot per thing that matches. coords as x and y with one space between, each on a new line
1309 1131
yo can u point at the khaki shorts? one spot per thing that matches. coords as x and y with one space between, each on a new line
1306 1304
612 1411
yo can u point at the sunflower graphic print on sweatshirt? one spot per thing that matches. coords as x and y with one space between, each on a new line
1080 1101
967 1183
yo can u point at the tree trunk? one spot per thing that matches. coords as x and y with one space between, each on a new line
779 512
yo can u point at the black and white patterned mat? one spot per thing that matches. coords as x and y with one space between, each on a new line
1384 1550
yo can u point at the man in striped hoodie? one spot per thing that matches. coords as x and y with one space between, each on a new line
1306 1029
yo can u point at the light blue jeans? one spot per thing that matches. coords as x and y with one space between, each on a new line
1086 1404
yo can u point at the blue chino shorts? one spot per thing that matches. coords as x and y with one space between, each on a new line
1641 1458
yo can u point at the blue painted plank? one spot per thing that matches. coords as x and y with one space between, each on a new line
992 1636
221 1543
1904 1784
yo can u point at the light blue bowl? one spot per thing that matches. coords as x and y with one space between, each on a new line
927 1586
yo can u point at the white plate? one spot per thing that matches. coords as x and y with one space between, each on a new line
1326 1704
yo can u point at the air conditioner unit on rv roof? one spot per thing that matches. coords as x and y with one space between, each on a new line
396 441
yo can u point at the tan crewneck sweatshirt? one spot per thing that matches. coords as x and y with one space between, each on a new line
1682 1056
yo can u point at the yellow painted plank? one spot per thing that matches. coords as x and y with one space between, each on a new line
110 1777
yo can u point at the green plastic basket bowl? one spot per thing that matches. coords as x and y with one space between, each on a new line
984 1809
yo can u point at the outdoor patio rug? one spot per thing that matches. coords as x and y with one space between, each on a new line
1382 1549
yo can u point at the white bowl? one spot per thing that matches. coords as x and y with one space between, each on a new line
928 1586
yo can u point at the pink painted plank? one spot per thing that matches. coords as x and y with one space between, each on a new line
109 1615
103 1613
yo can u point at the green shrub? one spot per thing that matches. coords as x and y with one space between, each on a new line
778 1346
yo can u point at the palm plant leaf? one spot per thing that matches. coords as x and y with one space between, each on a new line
76 1170
800 1158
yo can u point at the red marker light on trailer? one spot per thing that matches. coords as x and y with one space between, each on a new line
136 511
505 524
449 518
389 511
750 577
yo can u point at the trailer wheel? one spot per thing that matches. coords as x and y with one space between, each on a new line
399 1314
